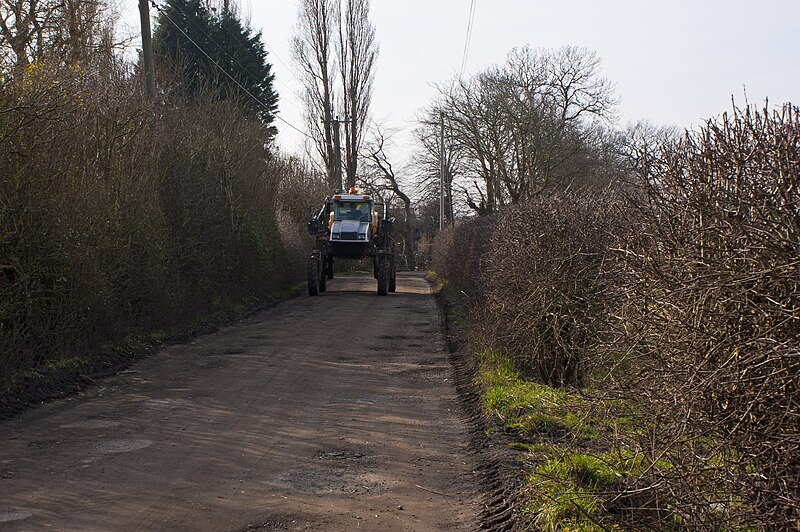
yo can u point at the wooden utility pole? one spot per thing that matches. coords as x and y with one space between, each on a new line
338 154
147 50
441 172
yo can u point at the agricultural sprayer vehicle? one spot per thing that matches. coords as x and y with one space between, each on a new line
348 226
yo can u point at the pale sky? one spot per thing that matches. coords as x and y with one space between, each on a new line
673 62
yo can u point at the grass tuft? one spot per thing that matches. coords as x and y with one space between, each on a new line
576 457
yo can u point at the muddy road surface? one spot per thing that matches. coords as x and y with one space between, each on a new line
336 412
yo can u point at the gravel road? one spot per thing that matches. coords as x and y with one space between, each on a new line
336 412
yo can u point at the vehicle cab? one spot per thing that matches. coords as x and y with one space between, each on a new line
353 222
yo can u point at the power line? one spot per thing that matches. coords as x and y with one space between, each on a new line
470 26
213 62
231 56
238 38
290 73
281 61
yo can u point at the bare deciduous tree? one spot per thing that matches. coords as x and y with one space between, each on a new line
427 163
528 124
641 139
381 175
312 50
23 27
336 50
357 55
68 31
79 29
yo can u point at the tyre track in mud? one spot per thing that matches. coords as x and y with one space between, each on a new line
498 473
337 412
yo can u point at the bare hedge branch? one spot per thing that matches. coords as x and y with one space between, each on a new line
680 293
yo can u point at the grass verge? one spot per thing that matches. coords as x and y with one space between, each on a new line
589 460
560 487
580 459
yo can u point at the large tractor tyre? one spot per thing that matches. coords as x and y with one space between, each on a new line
393 278
383 277
329 267
313 277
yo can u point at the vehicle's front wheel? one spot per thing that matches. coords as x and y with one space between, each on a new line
313 276
393 277
383 276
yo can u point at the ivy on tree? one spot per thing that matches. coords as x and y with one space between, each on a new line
207 49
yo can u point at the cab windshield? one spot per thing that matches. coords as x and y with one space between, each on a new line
351 210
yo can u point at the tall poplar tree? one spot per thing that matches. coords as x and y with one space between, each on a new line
336 51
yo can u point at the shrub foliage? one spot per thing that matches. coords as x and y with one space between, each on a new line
546 282
119 216
715 305
678 291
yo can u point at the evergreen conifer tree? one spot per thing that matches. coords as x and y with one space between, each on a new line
182 33
217 53
245 58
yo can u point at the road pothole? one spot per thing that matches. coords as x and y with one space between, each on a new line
123 446
337 455
330 480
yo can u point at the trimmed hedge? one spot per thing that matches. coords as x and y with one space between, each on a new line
679 292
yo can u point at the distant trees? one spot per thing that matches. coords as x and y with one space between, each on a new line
358 53
217 52
336 50
64 31
380 175
431 153
82 29
312 49
524 126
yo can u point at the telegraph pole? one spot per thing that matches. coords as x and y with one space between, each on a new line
147 50
338 152
441 172
335 167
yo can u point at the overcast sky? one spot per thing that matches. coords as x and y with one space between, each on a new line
675 62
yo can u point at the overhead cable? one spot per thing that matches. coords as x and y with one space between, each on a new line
470 26
233 79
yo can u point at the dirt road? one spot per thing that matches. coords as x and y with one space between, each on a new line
329 413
